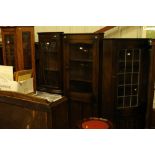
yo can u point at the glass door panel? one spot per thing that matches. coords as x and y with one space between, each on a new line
128 77
26 39
81 51
9 49
50 64
81 67
80 86
81 71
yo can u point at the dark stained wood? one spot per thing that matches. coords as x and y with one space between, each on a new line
26 111
153 119
81 72
152 114
131 116
1 55
49 62
104 29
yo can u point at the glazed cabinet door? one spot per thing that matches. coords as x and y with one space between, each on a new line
81 65
1 55
18 47
126 81
49 67
27 48
9 48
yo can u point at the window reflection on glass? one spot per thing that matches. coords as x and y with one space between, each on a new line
49 46
81 51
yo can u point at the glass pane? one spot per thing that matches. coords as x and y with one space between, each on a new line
121 91
127 90
135 78
81 70
26 38
136 67
137 54
120 102
121 67
129 54
121 79
134 101
81 51
128 77
121 55
134 90
128 66
49 46
51 78
9 49
51 61
80 86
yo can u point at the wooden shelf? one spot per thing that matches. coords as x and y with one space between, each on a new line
81 60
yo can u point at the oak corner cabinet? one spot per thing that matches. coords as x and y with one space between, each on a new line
127 82
18 48
81 72
20 111
49 61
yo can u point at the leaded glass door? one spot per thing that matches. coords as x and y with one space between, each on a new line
126 81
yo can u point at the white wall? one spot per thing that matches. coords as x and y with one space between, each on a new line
125 32
66 29
117 32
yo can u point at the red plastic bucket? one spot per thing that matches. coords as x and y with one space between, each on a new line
96 123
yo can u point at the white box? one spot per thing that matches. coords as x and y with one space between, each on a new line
24 87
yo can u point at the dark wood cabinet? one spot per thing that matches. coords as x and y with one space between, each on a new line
20 111
49 59
127 82
1 55
18 48
81 72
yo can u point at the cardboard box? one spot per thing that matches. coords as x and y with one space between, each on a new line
23 83
24 87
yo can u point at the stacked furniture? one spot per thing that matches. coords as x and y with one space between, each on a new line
103 78
108 78
127 82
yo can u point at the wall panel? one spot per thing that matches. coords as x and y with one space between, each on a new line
66 29
125 32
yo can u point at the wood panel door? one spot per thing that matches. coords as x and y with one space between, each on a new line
127 82
81 69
